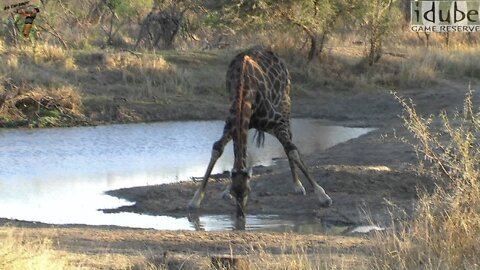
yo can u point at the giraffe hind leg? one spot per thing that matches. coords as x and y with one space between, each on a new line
325 200
297 185
284 136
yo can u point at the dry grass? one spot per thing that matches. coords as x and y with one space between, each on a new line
425 66
40 66
445 230
94 248
419 70
23 251
405 64
150 78
39 107
300 259
51 54
103 78
17 253
290 255
2 46
152 75
45 54
460 61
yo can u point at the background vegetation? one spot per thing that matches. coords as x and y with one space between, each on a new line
445 229
124 61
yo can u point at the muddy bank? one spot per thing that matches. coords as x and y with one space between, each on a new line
363 176
351 108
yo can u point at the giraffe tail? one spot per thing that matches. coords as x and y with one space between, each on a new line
260 137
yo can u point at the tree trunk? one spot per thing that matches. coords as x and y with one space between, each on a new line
313 52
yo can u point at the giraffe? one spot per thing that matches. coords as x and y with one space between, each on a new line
259 86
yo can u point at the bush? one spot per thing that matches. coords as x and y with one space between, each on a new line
38 107
445 230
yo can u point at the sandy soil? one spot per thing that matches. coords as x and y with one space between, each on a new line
362 176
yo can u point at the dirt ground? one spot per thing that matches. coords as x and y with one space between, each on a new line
363 176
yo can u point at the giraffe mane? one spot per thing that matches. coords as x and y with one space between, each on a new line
239 112
247 60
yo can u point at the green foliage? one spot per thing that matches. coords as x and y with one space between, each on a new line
113 4
125 8
316 19
379 20
212 19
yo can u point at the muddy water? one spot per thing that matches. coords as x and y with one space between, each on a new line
59 175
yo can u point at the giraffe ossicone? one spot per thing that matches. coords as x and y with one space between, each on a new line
259 86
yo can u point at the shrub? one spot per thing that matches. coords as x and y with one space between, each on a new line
445 230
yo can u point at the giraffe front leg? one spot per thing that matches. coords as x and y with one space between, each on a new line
217 151
298 188
200 193
197 199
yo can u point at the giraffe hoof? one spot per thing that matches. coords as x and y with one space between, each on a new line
327 202
299 189
196 200
227 196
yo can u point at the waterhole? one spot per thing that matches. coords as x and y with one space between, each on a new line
59 176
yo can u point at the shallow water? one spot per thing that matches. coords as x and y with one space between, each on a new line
59 175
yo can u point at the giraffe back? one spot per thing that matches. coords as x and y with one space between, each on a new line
260 77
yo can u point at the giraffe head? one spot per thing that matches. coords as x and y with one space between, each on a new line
240 189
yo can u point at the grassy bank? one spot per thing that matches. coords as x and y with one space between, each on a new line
46 85
105 87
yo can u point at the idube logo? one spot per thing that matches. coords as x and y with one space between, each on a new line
445 16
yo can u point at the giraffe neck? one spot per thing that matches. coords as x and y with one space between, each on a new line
242 115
